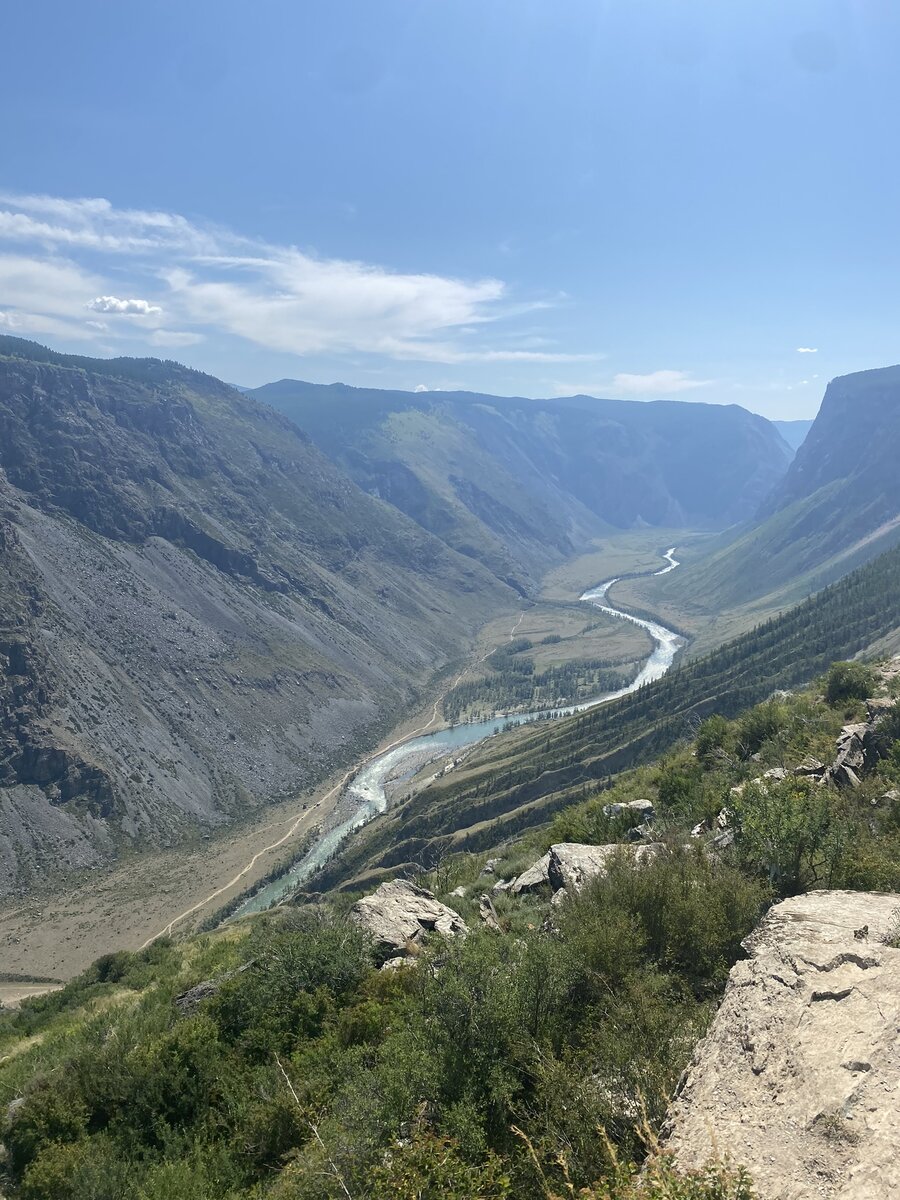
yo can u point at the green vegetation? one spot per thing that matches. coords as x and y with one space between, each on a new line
309 1072
848 681
515 685
153 371
535 1062
521 485
521 779
834 510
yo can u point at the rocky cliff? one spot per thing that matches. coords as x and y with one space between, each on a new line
837 507
198 612
798 1076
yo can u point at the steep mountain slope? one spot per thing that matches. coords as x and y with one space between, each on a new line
198 611
837 506
520 483
516 781
793 432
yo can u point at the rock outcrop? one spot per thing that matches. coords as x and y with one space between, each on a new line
799 1075
857 746
534 878
568 866
399 915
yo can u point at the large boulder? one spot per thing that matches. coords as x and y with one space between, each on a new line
643 809
573 864
534 878
398 915
799 1074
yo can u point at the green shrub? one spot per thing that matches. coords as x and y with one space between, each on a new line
848 681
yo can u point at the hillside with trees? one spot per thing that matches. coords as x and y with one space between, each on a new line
533 1057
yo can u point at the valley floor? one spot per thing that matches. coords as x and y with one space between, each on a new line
57 935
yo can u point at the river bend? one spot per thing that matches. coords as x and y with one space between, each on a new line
366 790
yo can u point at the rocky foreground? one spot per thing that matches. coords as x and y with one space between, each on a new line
798 1078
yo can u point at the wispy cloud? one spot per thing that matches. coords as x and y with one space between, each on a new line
174 337
207 281
656 383
807 349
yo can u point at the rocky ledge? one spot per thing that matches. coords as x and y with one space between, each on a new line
798 1078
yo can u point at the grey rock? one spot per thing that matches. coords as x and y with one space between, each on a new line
642 808
809 766
878 707
399 915
723 840
188 1002
640 833
535 878
573 864
488 913
796 1079
844 776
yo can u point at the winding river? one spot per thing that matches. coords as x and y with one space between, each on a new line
366 790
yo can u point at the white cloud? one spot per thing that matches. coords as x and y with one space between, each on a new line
420 387
807 350
112 304
276 296
656 383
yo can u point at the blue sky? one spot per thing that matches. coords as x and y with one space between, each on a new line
642 198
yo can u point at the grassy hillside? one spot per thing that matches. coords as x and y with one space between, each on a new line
518 779
485 1066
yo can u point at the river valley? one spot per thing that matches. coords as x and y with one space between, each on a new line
366 795
55 935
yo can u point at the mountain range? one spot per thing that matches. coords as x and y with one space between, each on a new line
519 484
200 612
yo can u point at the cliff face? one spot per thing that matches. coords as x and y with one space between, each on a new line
852 445
798 1075
837 507
198 612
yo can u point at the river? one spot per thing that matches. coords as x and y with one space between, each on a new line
366 790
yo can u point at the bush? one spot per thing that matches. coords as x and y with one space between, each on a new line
848 681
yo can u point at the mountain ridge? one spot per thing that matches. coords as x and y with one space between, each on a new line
199 611
517 482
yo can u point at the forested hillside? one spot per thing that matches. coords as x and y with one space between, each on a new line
516 781
527 1048
837 506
